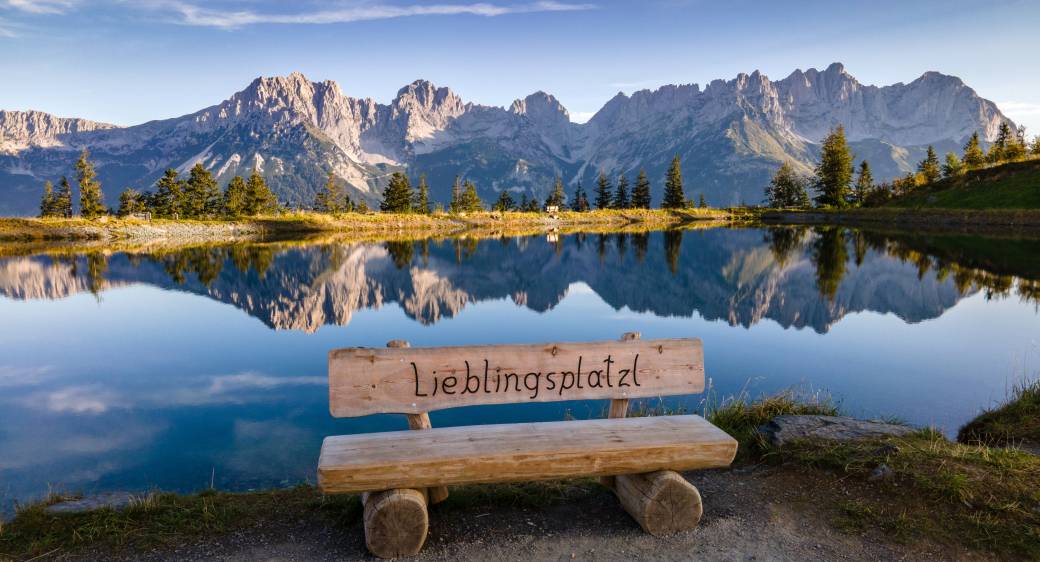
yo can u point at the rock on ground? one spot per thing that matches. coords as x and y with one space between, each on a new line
784 429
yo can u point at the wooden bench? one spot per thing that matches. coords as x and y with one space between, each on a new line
399 473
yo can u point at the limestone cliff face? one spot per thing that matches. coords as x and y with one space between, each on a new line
731 134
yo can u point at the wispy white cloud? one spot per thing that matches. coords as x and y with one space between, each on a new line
7 29
40 6
197 15
1019 108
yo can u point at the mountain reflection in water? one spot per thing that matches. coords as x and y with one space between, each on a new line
797 277
131 369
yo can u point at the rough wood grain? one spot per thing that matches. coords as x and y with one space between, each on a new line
366 381
520 452
662 502
421 420
618 407
396 522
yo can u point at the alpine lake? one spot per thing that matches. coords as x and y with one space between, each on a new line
136 369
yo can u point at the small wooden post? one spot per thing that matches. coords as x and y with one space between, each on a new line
436 494
662 502
618 408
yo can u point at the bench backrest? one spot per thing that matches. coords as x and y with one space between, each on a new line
366 381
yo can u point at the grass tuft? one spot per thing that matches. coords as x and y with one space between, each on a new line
1015 422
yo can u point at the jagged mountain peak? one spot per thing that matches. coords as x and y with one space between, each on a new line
540 106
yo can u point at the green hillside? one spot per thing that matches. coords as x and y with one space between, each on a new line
1015 185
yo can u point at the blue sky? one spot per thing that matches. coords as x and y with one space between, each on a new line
126 62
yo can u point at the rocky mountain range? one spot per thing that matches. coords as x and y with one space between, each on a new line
730 134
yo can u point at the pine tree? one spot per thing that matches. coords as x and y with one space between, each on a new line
953 166
455 206
131 202
974 158
603 191
471 202
422 197
557 198
532 205
641 193
702 202
580 203
997 152
201 194
332 198
523 202
929 168
787 189
864 183
505 202
834 172
1016 147
235 197
63 199
397 196
621 200
674 196
169 195
1035 147
259 199
47 207
91 199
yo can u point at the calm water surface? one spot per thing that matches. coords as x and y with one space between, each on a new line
137 370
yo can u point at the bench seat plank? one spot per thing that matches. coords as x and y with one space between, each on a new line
520 452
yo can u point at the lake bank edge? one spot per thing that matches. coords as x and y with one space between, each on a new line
908 488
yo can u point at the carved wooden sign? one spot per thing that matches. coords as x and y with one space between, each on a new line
366 381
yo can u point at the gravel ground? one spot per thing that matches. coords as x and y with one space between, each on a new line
749 515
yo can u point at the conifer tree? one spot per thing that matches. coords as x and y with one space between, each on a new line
201 194
332 198
929 168
557 198
422 197
471 202
131 202
787 189
864 183
91 199
621 198
1035 147
169 195
974 158
1016 147
580 203
997 152
63 199
674 195
603 191
532 205
455 206
397 196
953 166
641 193
702 202
235 197
834 172
47 207
505 202
259 199
523 202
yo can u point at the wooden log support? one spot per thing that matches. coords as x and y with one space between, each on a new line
662 502
618 408
396 522
437 494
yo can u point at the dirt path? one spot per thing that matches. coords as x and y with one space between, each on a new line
749 515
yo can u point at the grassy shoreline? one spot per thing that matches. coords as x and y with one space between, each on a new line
987 500
291 224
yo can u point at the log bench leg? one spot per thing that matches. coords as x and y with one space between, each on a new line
396 522
662 502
